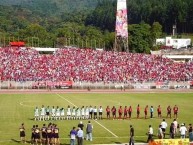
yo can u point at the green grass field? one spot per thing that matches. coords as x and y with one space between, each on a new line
16 109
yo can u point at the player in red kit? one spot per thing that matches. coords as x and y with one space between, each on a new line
175 109
159 112
114 110
169 111
130 111
145 111
120 112
108 110
138 111
125 112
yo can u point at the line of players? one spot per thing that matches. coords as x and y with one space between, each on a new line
56 113
89 112
46 135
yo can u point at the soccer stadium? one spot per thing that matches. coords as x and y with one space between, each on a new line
67 80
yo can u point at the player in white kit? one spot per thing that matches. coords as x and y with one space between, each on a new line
57 113
100 112
90 112
53 113
95 112
82 113
36 114
62 113
68 113
43 113
78 116
74 113
86 112
47 113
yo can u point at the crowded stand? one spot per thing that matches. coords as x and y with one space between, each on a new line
88 65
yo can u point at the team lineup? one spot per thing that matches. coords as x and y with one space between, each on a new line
50 134
89 112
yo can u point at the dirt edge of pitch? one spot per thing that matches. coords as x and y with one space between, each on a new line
122 144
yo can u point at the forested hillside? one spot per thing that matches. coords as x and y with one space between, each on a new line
166 12
54 6
90 23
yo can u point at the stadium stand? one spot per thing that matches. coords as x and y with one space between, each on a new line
87 65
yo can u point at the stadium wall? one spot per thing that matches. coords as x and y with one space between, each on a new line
98 85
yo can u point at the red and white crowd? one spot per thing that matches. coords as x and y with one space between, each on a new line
26 64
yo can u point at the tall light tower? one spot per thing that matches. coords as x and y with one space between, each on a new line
121 27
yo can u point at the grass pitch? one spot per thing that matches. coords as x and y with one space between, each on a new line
19 108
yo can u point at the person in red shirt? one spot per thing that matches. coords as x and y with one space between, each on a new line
159 112
120 112
169 111
113 110
125 112
175 109
145 111
108 110
138 111
130 111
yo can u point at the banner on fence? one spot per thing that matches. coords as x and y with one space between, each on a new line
170 142
162 85
141 86
181 86
60 84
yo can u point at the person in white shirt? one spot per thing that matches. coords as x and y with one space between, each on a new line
150 134
62 113
90 112
95 112
78 116
36 114
43 113
57 113
175 126
164 126
86 112
83 112
100 112
183 130
160 133
74 113
68 113
80 136
53 113
48 113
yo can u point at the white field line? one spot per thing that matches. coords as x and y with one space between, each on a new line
23 104
94 120
66 100
106 128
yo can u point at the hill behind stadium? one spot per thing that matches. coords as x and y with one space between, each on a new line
55 6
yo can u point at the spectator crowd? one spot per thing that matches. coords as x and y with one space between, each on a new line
26 64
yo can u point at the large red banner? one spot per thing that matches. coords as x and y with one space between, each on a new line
60 84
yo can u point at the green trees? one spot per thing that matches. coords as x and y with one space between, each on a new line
103 16
91 23
140 38
75 34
